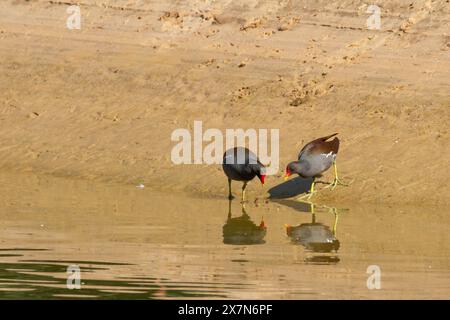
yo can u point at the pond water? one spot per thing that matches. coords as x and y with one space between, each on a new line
135 243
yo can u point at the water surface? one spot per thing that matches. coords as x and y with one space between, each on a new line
133 243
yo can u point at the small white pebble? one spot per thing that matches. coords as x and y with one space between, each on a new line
140 186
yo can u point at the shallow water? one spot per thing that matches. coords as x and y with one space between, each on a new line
133 243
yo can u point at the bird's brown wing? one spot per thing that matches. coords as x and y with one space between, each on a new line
326 147
321 145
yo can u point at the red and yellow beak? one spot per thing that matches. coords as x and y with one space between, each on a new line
287 174
288 229
262 225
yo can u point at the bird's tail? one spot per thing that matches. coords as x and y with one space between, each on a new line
328 137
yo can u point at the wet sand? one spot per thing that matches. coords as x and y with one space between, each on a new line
136 243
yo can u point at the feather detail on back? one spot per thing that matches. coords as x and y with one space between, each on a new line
321 145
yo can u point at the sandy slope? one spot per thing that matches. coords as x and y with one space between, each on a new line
101 102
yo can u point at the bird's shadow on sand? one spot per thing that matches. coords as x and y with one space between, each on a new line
290 188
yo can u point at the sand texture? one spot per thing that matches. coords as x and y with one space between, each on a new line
101 102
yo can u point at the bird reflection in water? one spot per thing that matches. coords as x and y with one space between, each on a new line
242 230
317 238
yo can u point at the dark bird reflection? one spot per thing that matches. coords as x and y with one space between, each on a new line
318 239
315 236
242 230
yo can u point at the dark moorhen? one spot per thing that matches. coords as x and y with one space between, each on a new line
242 230
240 164
315 158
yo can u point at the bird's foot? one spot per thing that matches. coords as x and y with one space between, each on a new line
335 183
306 196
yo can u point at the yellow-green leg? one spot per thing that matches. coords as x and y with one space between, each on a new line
230 196
336 180
244 212
336 216
243 191
308 195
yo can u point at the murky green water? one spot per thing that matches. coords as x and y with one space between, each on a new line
132 243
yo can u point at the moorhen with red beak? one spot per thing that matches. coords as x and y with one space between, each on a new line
315 236
242 230
315 158
240 164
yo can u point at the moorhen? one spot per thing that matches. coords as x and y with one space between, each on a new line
242 230
315 236
315 158
241 164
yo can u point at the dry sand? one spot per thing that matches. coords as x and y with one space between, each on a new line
101 102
